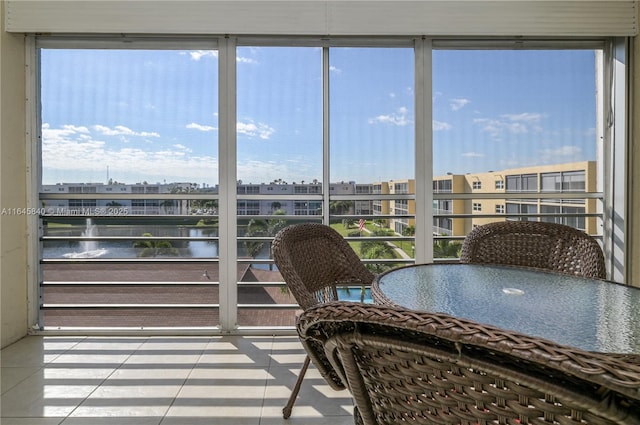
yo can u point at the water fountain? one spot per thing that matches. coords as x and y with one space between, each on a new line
89 248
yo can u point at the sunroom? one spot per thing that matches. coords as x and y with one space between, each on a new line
162 155
150 151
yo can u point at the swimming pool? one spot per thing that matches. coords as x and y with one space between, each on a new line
354 293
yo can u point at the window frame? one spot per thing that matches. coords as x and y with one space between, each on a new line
426 188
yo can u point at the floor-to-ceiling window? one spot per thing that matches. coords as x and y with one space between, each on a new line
128 187
323 131
510 123
279 162
372 151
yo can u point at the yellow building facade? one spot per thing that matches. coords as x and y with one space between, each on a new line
456 217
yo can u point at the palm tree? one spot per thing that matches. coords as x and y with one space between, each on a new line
154 248
263 228
377 250
168 205
275 206
348 222
255 228
409 231
445 248
339 207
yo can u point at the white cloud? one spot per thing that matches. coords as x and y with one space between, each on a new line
525 116
252 129
440 125
196 55
335 70
473 155
121 130
182 147
200 127
90 155
511 123
554 154
243 59
399 118
457 104
78 129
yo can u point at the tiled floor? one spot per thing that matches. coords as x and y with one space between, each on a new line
227 380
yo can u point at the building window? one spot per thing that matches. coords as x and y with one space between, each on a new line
442 186
477 185
522 183
499 184
563 181
499 209
514 209
401 188
477 206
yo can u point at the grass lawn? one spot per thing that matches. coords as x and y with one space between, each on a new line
340 228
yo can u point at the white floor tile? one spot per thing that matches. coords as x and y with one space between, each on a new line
31 421
11 376
138 420
230 380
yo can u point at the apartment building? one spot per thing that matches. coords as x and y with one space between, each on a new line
453 217
457 216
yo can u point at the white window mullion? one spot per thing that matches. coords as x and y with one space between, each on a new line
227 169
424 152
616 131
326 183
34 173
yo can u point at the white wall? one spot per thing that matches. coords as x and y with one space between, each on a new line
13 244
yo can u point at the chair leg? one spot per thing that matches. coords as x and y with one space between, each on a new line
286 411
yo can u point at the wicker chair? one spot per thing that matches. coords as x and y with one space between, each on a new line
314 260
405 366
536 244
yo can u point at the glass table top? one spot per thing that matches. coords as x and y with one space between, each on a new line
590 314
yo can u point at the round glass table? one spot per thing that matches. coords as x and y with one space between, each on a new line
591 314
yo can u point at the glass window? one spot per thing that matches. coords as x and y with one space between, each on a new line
144 127
522 183
573 181
517 208
137 122
372 142
518 120
551 181
279 157
566 181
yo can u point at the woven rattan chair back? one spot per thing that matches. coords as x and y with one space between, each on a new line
314 260
549 246
404 366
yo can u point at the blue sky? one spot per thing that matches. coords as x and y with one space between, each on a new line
152 116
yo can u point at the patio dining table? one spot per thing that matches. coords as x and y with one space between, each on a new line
590 314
